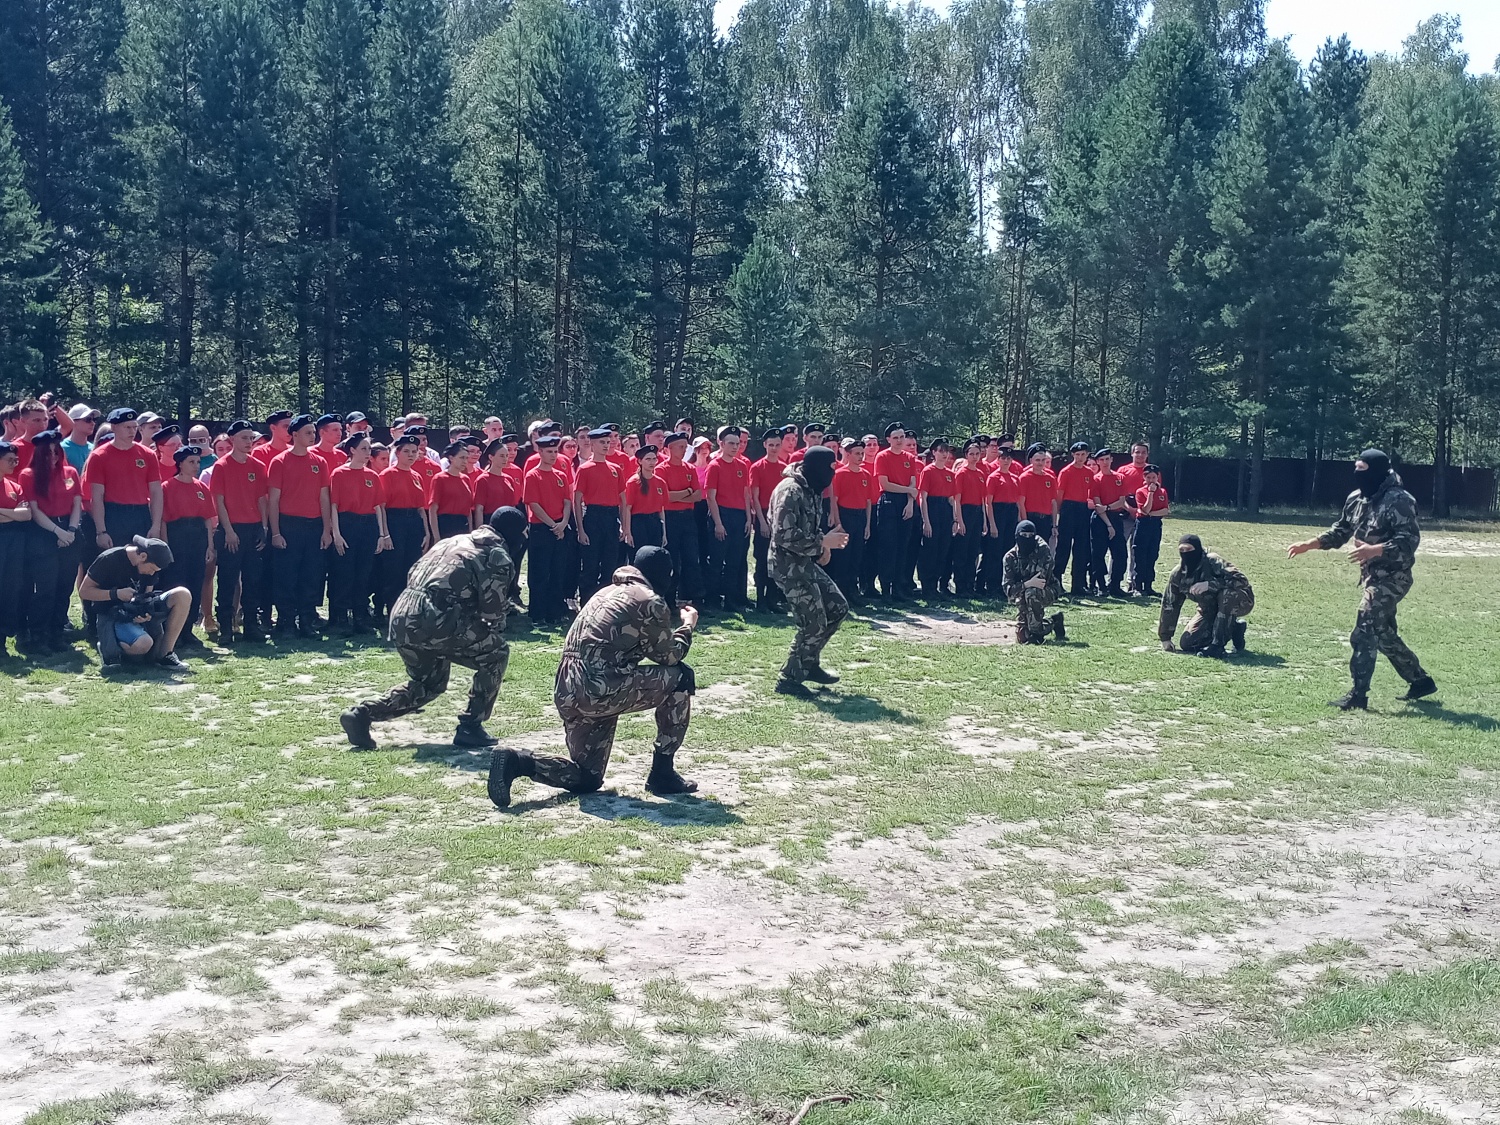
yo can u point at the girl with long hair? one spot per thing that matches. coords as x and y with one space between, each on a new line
49 487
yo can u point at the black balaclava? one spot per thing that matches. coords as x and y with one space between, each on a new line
656 564
1025 538
1371 478
817 468
1191 559
510 525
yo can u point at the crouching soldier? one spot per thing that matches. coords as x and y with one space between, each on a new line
1029 581
601 677
1223 595
452 611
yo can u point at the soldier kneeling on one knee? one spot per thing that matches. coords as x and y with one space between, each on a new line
1223 595
132 620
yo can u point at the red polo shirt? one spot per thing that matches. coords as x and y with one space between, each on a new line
1075 482
853 487
1159 505
1132 476
242 486
301 481
971 484
185 500
548 488
897 468
495 491
765 475
453 495
939 481
1109 487
334 458
10 492
64 489
357 492
265 452
647 500
402 488
600 484
1038 491
729 481
126 474
676 478
1002 487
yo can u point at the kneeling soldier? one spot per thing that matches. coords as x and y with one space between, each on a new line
601 678
1029 581
1223 595
452 612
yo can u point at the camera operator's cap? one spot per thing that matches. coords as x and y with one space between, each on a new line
893 427
602 433
548 441
328 420
277 416
156 550
123 414
675 437
83 410
299 422
147 418
406 439
165 434
185 452
354 416
239 426
1079 447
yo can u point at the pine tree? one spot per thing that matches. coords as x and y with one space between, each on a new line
766 338
23 269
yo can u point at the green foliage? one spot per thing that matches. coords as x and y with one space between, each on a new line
23 261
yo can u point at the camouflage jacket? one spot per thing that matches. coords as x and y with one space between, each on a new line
1222 578
795 533
456 596
1389 517
1017 571
623 624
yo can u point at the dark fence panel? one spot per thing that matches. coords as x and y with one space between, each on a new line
1287 482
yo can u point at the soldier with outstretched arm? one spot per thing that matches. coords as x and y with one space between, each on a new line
1381 518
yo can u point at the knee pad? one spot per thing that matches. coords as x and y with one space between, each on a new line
688 680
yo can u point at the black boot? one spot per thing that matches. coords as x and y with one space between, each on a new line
1057 627
664 780
356 724
820 675
505 767
785 686
307 627
1420 689
1238 635
471 735
1215 652
1355 699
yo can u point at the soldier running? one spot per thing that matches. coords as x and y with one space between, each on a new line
1381 518
452 611
1223 595
1029 581
601 678
799 551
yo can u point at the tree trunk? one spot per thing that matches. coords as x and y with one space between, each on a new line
91 307
184 335
304 356
1258 445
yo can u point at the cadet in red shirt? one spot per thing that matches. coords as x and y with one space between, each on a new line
765 475
357 510
1108 527
330 429
165 443
972 525
450 495
1134 477
15 517
546 494
936 492
896 526
1002 513
50 489
189 516
1038 489
406 520
683 491
1075 491
278 437
853 502
496 487
645 502
123 485
1151 504
301 529
731 520
425 466
597 506
240 486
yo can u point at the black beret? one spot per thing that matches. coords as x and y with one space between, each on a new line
415 431
548 441
405 439
810 426
893 427
769 434
600 433
1079 446
511 439
354 416
454 448
123 414
278 416
328 420
653 426
239 426
299 422
677 436
185 452
166 433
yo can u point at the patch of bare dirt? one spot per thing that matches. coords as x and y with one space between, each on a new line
1458 547
938 627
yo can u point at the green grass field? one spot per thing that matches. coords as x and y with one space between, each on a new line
972 884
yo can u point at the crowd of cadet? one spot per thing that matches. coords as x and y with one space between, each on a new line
248 533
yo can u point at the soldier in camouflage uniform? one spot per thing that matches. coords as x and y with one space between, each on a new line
1028 581
799 550
1381 518
1223 595
601 678
452 612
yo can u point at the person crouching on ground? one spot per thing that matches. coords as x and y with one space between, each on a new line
1223 595
132 619
1031 582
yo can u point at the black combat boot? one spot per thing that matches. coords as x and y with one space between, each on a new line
820 675
1420 689
664 780
1058 631
356 724
1238 635
471 735
787 686
1213 652
505 767
1355 699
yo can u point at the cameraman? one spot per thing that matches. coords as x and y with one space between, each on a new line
130 617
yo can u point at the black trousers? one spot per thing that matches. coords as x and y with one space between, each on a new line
645 530
682 542
351 581
727 558
935 560
449 526
1145 545
894 542
298 568
912 529
245 569
869 567
48 573
1113 546
1043 524
392 567
966 550
545 575
848 563
13 537
188 539
705 539
767 593
1073 542
992 569
597 558
123 522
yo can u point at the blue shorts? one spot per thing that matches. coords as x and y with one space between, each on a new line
128 632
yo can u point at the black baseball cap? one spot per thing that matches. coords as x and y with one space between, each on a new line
354 416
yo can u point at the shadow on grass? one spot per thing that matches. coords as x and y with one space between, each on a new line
455 757
1256 660
852 707
1430 709
669 811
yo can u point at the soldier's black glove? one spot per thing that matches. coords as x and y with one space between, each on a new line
689 681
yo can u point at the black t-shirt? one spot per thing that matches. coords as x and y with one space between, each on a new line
113 570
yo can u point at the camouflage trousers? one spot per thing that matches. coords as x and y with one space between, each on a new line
1213 624
1375 631
819 607
591 706
1033 615
427 678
